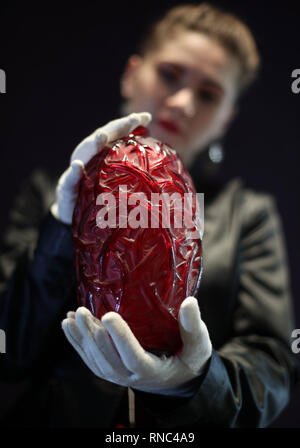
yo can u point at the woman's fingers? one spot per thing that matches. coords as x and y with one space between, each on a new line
76 339
131 352
112 362
98 346
123 126
194 334
113 130
70 177
190 318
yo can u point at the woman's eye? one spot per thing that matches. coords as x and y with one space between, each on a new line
168 75
208 97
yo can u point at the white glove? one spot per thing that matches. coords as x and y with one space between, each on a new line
112 352
66 192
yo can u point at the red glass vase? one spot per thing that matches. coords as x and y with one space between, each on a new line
137 251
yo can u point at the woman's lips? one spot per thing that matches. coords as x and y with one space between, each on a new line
169 126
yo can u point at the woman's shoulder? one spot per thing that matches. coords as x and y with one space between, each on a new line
42 177
253 205
41 183
238 187
35 195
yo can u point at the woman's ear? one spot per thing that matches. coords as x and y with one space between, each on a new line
129 76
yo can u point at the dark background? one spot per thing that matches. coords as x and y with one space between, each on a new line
63 65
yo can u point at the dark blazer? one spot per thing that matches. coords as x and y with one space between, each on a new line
244 300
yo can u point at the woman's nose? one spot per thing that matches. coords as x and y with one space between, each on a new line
184 101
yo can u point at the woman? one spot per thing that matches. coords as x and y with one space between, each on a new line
190 71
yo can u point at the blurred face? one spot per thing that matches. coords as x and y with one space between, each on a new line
188 85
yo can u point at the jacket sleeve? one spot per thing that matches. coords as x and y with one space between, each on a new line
36 277
249 379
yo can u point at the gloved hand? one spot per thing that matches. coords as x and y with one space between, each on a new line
66 192
112 352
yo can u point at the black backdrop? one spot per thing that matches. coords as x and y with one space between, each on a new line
63 65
